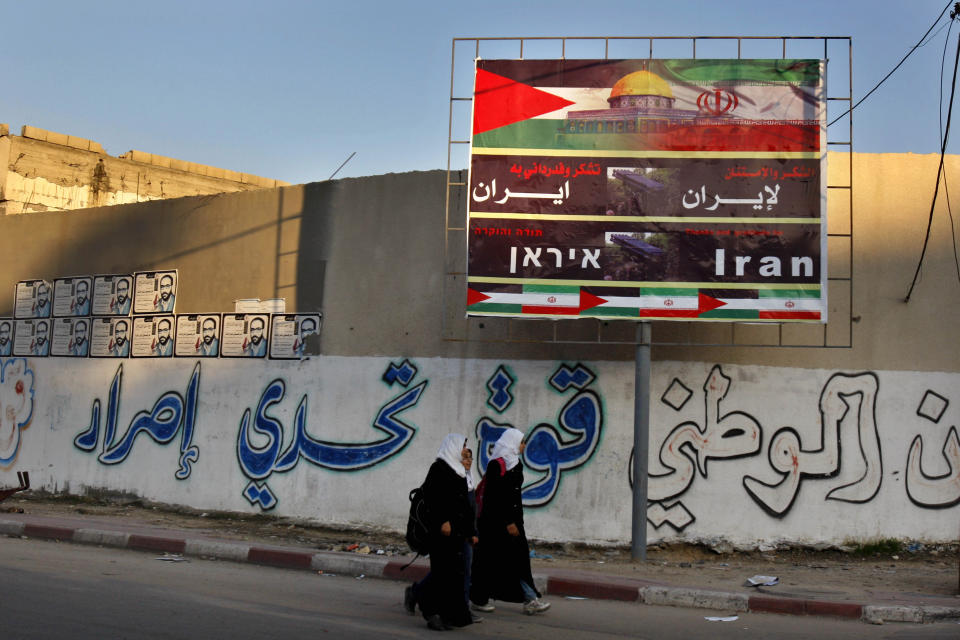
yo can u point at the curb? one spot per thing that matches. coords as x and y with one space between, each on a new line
372 566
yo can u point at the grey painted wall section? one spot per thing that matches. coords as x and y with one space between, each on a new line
369 254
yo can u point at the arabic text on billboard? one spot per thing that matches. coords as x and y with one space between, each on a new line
648 189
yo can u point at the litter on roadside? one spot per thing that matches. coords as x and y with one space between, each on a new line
574 598
360 577
542 556
720 618
761 581
172 557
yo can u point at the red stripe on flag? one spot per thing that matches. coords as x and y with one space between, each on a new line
734 137
789 315
548 310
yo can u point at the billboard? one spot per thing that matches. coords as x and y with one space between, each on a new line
666 189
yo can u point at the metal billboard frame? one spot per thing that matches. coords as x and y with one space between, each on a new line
835 334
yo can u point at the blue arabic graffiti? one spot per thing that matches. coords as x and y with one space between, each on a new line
170 415
547 451
16 406
259 462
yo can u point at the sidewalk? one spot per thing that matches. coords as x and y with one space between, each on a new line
716 586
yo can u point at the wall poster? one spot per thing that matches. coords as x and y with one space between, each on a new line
198 336
154 292
292 336
110 337
71 337
32 338
71 296
245 335
112 295
153 337
32 299
6 336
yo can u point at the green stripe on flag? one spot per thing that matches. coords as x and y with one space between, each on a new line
717 72
740 314
670 291
545 133
789 293
496 307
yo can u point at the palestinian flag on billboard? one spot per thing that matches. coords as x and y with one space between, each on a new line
656 183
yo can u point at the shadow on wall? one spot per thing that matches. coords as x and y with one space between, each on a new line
314 244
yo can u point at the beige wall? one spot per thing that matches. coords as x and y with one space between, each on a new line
369 253
42 170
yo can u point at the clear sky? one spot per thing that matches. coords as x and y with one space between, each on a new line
289 89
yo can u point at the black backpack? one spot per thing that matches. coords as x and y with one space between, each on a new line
418 532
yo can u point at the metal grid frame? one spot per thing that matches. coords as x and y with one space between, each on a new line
457 186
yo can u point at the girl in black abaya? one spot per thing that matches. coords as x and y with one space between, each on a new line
501 560
451 523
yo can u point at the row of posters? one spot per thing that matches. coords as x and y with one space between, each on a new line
210 335
141 293
664 189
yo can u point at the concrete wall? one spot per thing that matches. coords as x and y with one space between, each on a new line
42 171
748 446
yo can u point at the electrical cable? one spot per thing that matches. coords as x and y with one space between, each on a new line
946 190
914 48
943 151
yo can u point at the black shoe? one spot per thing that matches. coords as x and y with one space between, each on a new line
436 623
409 601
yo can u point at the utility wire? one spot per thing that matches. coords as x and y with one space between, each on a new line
914 48
943 150
946 190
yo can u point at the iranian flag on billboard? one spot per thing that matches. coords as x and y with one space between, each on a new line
648 189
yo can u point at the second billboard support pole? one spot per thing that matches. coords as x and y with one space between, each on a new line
641 438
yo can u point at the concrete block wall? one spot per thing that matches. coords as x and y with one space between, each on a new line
749 447
44 170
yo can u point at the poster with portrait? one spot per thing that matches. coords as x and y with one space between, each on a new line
72 296
112 295
245 335
71 337
198 336
33 299
153 336
32 338
154 292
294 336
6 336
110 337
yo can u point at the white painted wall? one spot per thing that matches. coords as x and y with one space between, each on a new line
592 502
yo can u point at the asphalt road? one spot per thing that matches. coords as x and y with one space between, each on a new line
57 590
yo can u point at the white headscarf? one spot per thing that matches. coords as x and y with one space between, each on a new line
451 452
508 447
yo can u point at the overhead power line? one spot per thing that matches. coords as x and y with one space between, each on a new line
914 48
943 150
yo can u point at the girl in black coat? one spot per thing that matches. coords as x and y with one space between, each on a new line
501 561
451 524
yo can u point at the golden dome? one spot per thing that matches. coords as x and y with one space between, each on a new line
641 83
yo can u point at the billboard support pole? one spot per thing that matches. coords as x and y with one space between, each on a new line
641 433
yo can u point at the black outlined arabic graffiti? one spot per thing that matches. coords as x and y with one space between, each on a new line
923 489
787 457
689 446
